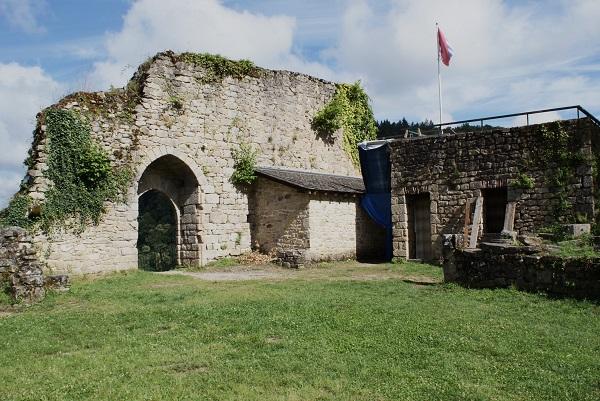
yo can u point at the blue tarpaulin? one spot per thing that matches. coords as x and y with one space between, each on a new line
377 201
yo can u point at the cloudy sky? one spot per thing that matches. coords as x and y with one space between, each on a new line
510 55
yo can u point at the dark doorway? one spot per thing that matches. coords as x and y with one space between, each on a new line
157 232
419 226
494 208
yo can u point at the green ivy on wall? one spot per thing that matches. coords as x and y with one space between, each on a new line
560 159
17 212
81 174
80 170
349 109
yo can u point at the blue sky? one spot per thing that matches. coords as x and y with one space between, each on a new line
510 56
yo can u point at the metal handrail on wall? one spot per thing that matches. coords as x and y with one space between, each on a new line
580 110
527 114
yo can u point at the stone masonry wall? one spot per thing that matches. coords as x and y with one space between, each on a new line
454 168
280 220
271 112
340 229
370 237
299 227
20 272
332 227
500 266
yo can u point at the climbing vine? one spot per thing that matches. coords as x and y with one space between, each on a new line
218 67
349 109
81 174
561 162
17 212
244 163
80 170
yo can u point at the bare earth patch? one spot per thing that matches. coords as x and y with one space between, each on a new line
240 275
349 270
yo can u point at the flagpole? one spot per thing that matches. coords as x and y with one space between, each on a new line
437 39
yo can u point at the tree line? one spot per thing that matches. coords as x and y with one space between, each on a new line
387 128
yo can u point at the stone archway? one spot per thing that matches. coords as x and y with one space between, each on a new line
171 176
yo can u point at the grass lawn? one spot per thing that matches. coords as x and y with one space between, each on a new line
147 336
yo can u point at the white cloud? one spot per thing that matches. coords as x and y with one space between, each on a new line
23 92
23 14
151 26
499 48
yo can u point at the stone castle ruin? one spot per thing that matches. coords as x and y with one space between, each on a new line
175 130
223 157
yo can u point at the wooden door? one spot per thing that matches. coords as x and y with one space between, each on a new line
419 226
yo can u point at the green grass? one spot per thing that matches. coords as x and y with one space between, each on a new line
577 248
145 336
5 298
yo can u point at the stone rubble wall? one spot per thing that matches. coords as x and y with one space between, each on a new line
454 168
20 272
271 112
499 266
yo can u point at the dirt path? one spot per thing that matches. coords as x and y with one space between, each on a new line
335 271
240 275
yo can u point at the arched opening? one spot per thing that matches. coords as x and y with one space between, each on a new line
175 181
157 232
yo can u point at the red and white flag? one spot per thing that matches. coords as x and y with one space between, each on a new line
444 48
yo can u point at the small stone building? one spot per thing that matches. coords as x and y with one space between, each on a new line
522 179
305 216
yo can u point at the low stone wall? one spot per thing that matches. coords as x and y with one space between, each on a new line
20 271
499 266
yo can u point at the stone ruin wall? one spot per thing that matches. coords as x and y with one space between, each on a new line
272 112
21 274
454 168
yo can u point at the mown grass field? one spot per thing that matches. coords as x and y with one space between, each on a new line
321 334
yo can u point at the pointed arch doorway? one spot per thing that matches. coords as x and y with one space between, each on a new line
168 215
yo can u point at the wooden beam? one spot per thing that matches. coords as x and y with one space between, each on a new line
476 221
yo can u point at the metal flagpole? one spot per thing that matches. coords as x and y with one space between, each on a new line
437 39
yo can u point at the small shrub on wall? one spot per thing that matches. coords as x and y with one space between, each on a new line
244 163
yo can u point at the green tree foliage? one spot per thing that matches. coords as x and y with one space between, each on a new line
387 129
157 232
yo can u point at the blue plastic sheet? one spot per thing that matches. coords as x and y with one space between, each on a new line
377 201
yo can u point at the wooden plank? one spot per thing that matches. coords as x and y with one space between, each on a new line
509 217
467 221
476 221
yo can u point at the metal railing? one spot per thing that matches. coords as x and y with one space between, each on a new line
438 128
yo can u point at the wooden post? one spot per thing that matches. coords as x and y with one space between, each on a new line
467 221
476 221
509 217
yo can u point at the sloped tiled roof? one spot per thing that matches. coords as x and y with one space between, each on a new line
313 181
